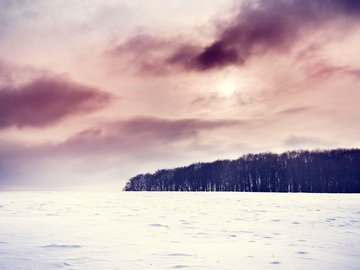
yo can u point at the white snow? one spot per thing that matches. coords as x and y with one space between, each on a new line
126 230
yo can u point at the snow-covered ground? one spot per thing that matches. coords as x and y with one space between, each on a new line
74 230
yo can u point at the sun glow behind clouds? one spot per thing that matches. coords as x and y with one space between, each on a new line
227 87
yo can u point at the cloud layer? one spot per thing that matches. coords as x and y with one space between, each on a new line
198 81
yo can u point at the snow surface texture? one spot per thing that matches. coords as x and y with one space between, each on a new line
72 230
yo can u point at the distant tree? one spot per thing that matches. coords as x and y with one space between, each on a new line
327 171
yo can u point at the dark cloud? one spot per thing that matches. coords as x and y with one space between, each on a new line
173 128
149 131
46 100
259 27
212 56
268 25
145 132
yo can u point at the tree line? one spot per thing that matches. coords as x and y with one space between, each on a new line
326 171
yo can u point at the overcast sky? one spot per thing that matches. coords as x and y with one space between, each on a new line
94 92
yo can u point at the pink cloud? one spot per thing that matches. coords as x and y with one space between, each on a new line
47 100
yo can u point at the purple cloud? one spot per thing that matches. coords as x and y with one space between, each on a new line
268 25
46 100
258 28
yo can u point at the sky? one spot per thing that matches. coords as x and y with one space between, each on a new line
94 92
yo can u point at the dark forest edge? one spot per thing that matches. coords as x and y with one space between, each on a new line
319 171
